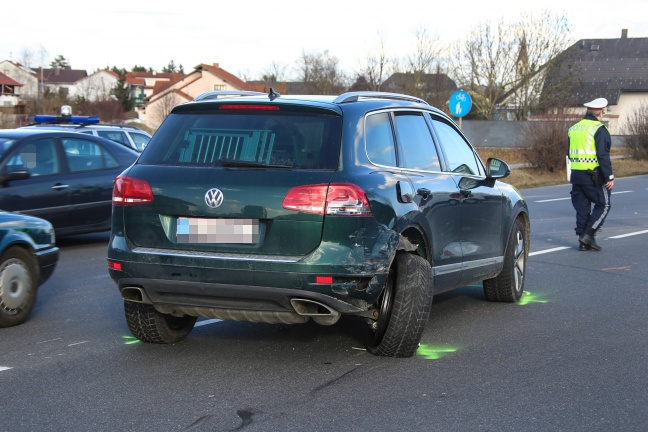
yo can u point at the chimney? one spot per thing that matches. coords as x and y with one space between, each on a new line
624 33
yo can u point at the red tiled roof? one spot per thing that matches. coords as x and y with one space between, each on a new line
135 81
164 75
226 76
5 80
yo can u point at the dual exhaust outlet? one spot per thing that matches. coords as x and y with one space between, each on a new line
303 310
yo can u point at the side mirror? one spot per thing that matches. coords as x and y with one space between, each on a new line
14 175
497 168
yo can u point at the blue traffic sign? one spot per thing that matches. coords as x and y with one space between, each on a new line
460 103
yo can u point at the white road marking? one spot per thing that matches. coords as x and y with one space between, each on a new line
629 234
555 199
77 343
569 247
206 322
4 368
549 250
51 340
568 198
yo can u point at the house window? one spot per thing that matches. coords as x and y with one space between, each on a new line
220 87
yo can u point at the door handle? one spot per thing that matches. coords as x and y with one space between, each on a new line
60 186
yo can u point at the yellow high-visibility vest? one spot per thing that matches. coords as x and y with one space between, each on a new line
582 148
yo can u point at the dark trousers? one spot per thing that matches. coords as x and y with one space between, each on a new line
583 197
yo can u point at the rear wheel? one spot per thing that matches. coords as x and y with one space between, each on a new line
149 325
18 286
509 284
404 307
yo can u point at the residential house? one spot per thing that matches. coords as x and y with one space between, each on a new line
616 69
142 84
95 87
37 80
59 80
23 75
8 91
203 78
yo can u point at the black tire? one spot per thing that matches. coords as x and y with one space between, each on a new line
404 307
18 286
149 325
508 286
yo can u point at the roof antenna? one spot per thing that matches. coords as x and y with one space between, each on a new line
273 94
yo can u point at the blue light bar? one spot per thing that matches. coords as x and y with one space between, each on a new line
80 120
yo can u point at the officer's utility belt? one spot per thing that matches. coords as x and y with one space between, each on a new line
596 176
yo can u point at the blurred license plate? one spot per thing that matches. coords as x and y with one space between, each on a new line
223 231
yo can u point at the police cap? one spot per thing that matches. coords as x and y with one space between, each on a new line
599 103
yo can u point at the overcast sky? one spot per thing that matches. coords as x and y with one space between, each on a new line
246 36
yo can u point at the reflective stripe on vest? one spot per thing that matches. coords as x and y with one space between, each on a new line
582 148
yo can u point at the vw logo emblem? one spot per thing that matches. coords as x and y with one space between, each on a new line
214 198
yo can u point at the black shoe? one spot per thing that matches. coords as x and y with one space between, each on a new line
583 247
589 241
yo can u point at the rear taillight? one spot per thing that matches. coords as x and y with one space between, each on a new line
131 191
112 265
334 199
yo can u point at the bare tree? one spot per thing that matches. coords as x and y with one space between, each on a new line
108 110
541 39
422 73
485 66
27 57
320 73
543 144
30 58
274 73
163 106
635 130
375 68
504 66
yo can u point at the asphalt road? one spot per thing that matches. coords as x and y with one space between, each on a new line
572 356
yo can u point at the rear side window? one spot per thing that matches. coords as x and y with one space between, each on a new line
85 155
117 136
415 142
140 140
379 140
209 138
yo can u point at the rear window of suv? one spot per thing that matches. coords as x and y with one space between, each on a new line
263 138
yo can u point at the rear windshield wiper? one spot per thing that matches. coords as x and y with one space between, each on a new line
250 164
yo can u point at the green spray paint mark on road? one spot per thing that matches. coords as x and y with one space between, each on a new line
434 352
130 340
529 297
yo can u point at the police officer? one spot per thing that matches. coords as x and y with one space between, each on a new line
591 173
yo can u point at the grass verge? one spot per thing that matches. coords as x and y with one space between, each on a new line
525 178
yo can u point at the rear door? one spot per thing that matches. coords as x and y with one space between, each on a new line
91 170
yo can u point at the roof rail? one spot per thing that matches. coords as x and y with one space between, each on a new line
119 125
218 93
355 96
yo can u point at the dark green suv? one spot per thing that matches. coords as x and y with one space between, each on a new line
281 209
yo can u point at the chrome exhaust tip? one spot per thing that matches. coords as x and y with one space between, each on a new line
134 294
319 312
